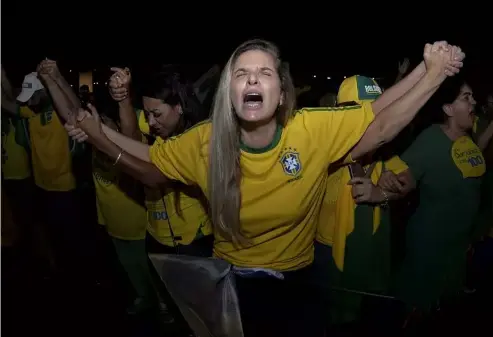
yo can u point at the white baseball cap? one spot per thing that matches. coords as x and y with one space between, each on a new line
30 85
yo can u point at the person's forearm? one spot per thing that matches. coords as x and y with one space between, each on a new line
130 146
485 137
128 120
67 91
139 169
392 119
382 196
61 102
399 89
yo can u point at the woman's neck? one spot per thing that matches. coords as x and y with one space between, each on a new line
258 135
452 131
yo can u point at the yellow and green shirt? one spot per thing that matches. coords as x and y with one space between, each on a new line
180 208
15 159
122 215
282 186
51 150
337 215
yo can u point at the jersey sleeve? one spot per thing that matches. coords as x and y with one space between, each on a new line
396 165
416 156
338 130
25 112
179 158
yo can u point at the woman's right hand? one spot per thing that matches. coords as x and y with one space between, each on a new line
87 127
119 84
443 59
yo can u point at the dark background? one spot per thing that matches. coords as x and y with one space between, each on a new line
145 35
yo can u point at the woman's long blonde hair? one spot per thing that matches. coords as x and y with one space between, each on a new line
224 159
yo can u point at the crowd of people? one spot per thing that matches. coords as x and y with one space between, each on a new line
302 203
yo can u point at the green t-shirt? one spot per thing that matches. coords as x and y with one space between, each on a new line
448 175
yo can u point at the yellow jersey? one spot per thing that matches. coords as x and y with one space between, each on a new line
50 151
123 216
336 218
282 184
180 209
15 160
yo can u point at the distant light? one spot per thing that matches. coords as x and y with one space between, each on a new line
344 76
71 85
70 70
328 77
105 83
373 78
314 76
94 83
94 69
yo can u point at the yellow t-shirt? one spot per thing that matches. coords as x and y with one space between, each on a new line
123 217
50 151
336 218
182 208
282 185
15 161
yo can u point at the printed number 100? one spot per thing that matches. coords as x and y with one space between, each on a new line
475 161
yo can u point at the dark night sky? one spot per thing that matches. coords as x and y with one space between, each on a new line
331 49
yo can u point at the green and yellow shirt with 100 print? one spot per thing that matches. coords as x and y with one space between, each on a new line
449 176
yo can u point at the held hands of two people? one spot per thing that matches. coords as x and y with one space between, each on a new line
48 70
443 59
85 125
365 192
119 84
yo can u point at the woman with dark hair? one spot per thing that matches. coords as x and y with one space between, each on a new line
177 220
176 214
446 167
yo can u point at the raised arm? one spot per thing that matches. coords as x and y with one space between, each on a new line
50 76
440 61
484 138
119 86
400 88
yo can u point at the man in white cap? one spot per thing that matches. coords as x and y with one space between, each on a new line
57 202
32 90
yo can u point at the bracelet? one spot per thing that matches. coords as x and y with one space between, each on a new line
118 158
385 203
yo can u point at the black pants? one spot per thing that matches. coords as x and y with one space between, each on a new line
20 194
70 236
200 247
272 307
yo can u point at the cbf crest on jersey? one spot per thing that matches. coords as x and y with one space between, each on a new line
290 161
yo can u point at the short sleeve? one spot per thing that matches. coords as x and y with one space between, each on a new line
25 112
338 130
396 165
180 158
416 156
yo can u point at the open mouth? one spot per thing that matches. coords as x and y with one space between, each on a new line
253 100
